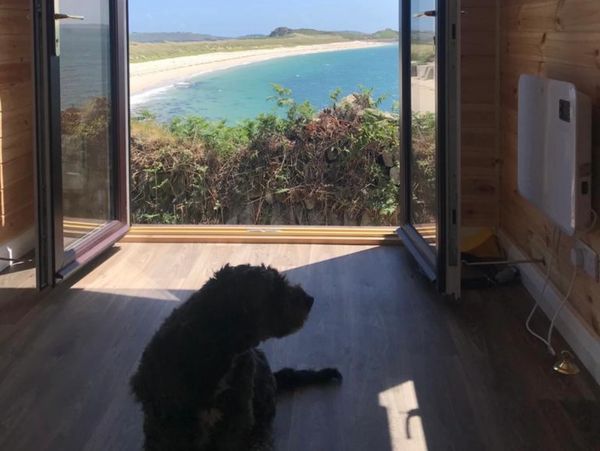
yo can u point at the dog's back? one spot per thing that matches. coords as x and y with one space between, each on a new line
178 373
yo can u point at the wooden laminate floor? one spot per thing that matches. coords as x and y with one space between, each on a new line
18 293
419 373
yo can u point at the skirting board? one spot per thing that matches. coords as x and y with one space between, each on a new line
583 340
17 247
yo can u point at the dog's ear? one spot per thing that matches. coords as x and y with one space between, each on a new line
277 282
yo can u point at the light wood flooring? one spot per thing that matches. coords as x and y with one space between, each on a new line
419 373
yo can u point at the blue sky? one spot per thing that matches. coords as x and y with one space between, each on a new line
240 17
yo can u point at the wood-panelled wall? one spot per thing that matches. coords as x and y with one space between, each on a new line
480 91
16 113
557 39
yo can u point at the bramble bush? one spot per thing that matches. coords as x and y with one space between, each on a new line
338 166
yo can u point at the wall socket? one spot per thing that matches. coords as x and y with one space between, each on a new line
586 258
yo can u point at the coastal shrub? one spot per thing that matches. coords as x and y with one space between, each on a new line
422 53
85 169
297 113
215 135
331 167
424 168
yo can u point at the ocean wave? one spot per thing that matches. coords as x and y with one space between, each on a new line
143 97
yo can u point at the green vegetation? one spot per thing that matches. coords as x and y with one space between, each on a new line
281 37
422 53
140 52
336 166
172 37
423 168
85 131
388 33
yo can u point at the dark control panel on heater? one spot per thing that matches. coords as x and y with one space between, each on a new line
564 110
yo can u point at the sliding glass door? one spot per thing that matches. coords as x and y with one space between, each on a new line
430 112
84 78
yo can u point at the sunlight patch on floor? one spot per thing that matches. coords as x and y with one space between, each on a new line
404 420
138 295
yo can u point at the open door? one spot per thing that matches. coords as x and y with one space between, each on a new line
82 112
429 138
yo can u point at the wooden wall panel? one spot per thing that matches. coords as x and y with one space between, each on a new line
21 194
16 119
479 115
557 39
14 18
15 223
15 49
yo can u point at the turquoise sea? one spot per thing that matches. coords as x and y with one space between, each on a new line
243 92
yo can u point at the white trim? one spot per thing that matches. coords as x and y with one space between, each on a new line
17 247
578 334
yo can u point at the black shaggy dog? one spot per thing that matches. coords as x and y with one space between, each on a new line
202 382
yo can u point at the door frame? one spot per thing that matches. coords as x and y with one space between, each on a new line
52 264
442 265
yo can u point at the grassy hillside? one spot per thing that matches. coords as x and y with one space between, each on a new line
281 37
388 33
172 37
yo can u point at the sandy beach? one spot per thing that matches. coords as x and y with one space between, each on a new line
152 75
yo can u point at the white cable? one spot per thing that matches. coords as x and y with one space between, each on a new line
536 305
571 285
556 242
558 310
564 301
548 340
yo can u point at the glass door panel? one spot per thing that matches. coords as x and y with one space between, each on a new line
82 131
84 48
423 84
429 131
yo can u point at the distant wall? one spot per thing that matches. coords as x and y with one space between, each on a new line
16 134
557 39
480 99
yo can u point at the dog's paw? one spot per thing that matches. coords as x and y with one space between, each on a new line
331 375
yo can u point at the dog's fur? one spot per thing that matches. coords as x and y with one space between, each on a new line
202 383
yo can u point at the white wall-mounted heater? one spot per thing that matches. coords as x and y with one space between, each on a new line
554 150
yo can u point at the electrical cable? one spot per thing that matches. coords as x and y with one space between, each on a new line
541 295
558 310
548 340
571 285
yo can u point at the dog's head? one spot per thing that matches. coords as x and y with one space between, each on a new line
289 308
263 295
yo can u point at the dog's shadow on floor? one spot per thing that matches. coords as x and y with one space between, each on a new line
394 372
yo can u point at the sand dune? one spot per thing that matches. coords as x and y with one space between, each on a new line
158 74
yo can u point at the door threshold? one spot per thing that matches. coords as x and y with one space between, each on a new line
352 235
420 249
